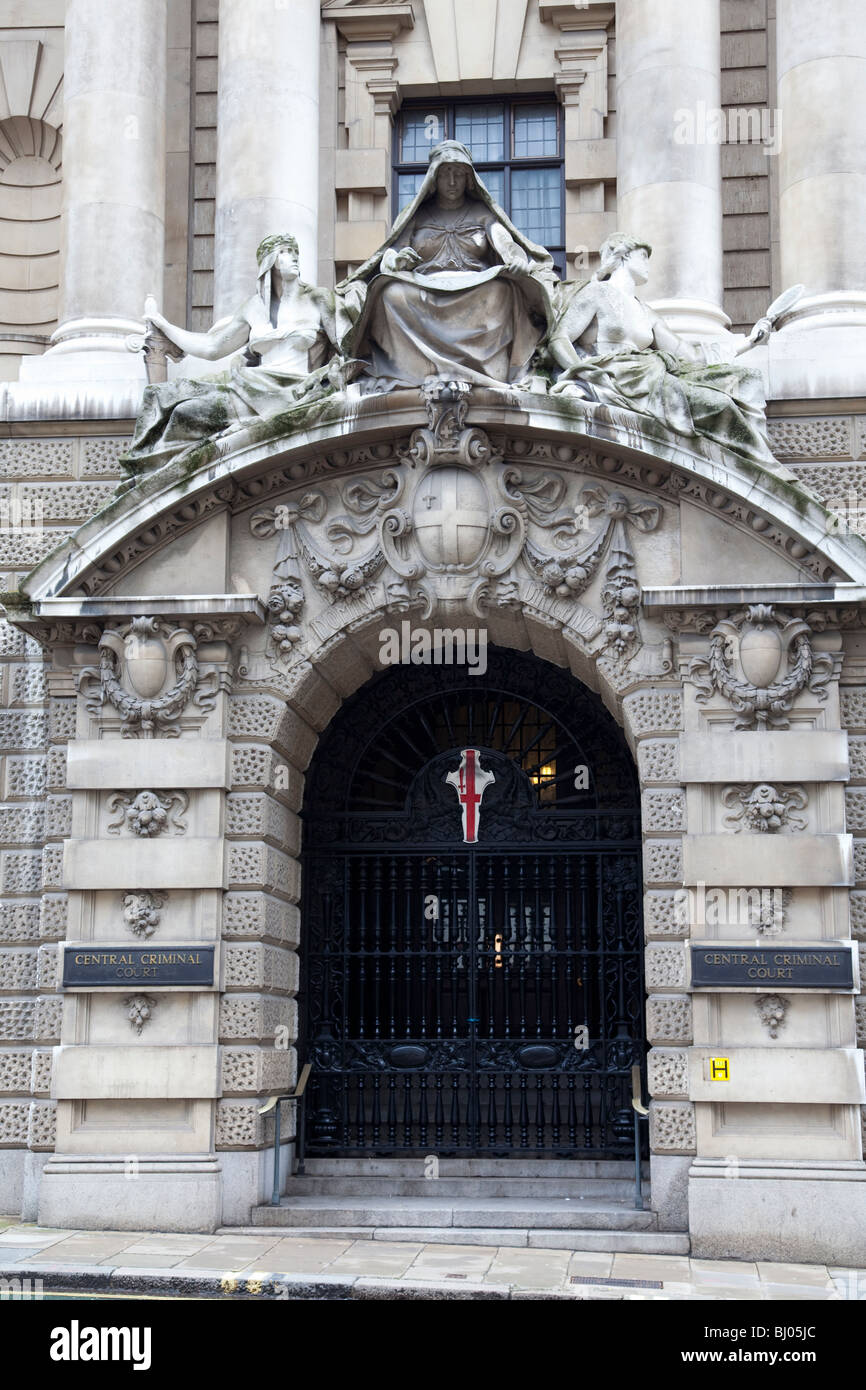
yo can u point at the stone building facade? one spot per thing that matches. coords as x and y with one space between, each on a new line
147 148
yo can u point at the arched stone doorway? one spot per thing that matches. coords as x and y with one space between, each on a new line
472 989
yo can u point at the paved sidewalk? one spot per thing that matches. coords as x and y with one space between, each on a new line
256 1263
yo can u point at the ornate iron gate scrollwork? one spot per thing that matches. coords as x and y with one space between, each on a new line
480 998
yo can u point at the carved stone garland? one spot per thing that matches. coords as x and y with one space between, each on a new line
761 637
144 655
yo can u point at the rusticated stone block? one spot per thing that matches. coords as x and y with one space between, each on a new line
665 967
663 861
259 967
663 810
14 1120
668 1072
663 914
658 760
260 916
669 1019
18 970
42 1128
672 1127
653 711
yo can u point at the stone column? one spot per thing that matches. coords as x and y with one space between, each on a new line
669 185
268 138
113 181
821 60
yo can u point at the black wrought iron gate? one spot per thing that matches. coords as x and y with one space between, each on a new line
472 998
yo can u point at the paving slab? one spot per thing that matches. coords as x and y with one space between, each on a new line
650 1267
790 1292
724 1272
459 1259
543 1269
794 1274
378 1259
37 1239
590 1262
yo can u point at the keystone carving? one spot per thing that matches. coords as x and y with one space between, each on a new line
764 642
765 809
768 919
453 523
771 1009
139 1008
148 813
142 911
149 672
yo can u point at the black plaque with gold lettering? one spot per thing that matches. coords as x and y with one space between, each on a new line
827 965
87 965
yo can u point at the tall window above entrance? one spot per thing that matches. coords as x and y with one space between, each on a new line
517 148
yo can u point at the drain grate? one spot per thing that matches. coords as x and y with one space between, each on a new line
456 1276
617 1283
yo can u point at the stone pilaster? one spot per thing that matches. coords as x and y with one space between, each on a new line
362 173
581 82
821 62
268 151
669 184
113 225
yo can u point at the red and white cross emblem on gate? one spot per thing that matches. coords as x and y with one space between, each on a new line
470 780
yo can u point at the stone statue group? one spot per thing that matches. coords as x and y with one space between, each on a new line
455 292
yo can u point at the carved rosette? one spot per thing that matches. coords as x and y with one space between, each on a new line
763 642
149 672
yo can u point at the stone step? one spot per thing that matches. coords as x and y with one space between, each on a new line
535 1215
476 1167
606 1241
378 1186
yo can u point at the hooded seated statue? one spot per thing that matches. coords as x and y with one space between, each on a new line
456 291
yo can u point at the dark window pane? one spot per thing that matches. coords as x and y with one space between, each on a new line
494 182
407 187
536 204
422 130
482 128
535 132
